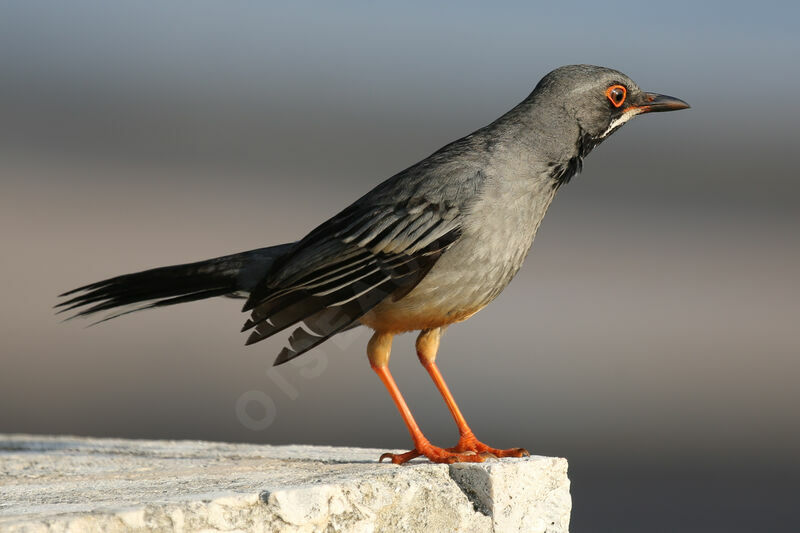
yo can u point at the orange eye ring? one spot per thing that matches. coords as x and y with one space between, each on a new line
616 94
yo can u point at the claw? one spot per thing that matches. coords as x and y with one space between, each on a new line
399 458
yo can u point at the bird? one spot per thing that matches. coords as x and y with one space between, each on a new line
426 248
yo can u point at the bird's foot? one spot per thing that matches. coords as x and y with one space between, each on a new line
468 443
437 455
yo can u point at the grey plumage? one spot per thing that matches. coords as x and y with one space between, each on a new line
429 246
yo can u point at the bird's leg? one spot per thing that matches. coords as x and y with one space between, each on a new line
378 350
427 347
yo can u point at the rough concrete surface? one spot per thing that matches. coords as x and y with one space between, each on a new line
79 484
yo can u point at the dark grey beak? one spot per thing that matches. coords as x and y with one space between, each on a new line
659 102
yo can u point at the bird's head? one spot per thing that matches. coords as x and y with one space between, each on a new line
599 99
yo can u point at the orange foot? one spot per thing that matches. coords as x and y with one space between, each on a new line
437 455
468 450
468 443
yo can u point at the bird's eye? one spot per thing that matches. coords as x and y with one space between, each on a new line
616 95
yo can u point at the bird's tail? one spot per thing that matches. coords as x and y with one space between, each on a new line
231 275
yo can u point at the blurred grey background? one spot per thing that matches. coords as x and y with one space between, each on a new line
651 338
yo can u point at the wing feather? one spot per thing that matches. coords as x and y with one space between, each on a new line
335 276
381 246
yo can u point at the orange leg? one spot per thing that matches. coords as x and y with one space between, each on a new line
378 351
427 346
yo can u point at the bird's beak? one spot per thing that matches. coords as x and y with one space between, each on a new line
654 102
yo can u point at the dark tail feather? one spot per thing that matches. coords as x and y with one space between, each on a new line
230 275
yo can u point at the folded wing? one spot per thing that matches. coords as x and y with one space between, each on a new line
346 267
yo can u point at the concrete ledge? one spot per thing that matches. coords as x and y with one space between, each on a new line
78 484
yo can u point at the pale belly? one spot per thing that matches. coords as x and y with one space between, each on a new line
478 266
464 280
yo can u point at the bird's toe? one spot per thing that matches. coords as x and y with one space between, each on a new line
438 455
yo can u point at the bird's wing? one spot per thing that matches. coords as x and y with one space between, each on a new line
347 266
